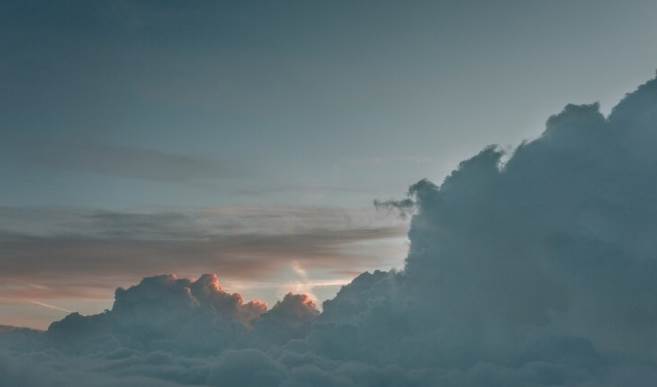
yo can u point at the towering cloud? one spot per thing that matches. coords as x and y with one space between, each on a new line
535 268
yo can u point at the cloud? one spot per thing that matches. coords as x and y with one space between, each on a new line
530 269
165 313
506 258
289 319
129 162
247 367
42 249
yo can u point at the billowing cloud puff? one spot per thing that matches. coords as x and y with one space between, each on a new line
289 319
166 312
535 268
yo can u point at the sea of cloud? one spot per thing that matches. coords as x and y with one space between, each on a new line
535 268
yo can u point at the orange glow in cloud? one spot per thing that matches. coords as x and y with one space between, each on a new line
303 286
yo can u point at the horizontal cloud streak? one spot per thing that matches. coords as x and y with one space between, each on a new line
246 256
248 245
127 161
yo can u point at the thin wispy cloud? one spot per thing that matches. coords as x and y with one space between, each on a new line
50 306
129 162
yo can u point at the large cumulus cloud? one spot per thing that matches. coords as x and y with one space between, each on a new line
535 268
547 256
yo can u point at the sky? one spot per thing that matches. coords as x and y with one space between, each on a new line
251 139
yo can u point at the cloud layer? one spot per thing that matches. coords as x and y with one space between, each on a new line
63 257
535 268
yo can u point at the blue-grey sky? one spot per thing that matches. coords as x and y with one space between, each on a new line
130 129
164 103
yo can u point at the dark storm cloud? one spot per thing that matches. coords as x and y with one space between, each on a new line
538 270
